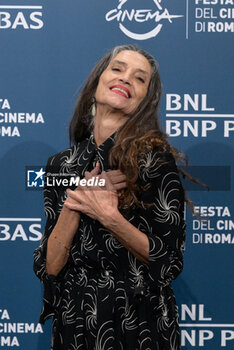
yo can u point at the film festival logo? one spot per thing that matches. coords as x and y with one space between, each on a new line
156 17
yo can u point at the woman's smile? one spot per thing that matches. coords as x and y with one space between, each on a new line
121 90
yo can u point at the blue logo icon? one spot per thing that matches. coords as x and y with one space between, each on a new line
35 177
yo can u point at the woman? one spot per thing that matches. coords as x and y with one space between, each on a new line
108 255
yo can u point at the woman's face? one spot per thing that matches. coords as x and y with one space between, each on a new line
124 83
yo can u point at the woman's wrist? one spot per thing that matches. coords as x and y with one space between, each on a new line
111 219
66 227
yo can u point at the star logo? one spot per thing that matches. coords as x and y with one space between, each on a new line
35 177
39 173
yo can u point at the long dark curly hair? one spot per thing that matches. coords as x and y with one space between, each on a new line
140 134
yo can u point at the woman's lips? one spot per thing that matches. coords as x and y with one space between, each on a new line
121 90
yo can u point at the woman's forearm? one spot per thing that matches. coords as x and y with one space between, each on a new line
60 240
128 235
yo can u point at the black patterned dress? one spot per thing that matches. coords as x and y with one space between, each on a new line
105 298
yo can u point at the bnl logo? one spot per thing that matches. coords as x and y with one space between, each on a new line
35 177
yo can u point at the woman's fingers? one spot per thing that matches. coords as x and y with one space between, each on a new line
76 196
116 176
120 186
90 174
93 200
72 201
96 170
118 179
108 184
115 180
72 206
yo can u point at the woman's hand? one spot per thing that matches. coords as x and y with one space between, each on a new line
98 202
101 203
117 178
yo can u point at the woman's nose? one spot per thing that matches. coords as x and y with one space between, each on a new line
125 77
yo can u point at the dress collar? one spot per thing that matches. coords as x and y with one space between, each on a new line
85 156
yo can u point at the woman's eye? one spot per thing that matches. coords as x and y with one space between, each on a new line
116 69
141 79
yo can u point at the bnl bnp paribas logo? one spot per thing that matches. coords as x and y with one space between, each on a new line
150 20
35 178
21 17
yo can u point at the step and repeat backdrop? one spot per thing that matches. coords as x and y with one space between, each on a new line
47 51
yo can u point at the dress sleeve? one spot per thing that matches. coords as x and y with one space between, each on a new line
51 283
162 218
